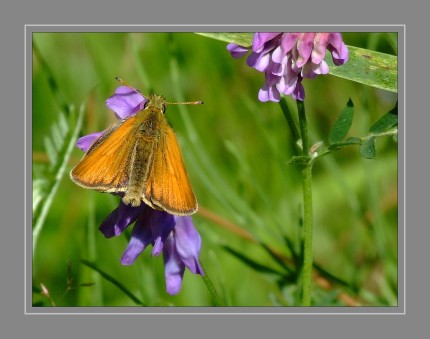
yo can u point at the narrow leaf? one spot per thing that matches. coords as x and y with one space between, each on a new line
50 150
333 278
367 67
386 122
39 189
342 124
62 124
60 169
367 150
115 282
56 136
241 39
277 258
294 253
252 263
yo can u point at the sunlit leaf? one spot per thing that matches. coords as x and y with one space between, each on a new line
367 67
242 39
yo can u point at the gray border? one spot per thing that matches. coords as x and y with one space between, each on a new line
12 20
400 309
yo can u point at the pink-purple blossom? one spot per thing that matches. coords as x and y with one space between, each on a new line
174 236
287 58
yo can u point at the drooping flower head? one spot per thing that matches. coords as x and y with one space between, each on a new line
172 235
287 58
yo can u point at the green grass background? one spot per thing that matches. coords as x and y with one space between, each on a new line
236 151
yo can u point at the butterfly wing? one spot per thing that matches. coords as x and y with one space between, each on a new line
105 167
167 185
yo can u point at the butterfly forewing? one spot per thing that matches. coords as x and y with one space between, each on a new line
140 157
102 167
167 184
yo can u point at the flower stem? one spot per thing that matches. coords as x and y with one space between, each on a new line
303 126
291 123
307 234
211 288
307 209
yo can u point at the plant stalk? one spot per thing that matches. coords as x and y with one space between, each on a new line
307 209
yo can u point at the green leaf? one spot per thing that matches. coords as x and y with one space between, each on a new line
241 39
39 189
115 282
367 149
342 124
252 263
367 67
51 151
61 155
296 255
277 258
332 278
387 122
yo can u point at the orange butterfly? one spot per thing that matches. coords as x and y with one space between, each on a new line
140 157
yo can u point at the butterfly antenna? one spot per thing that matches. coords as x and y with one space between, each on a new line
185 103
167 103
129 86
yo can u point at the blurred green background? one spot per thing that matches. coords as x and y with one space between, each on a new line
236 151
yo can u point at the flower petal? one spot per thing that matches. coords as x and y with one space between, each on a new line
174 268
288 41
141 237
188 243
299 90
120 218
161 224
304 48
84 143
338 49
260 39
125 102
320 47
237 51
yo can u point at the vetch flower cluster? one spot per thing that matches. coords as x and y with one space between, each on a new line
287 58
172 235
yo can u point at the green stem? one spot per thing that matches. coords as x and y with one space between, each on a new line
291 123
307 209
307 234
211 288
303 127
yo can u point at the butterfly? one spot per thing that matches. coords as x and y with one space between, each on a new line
139 157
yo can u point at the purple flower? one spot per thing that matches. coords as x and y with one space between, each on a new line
172 235
287 58
125 102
